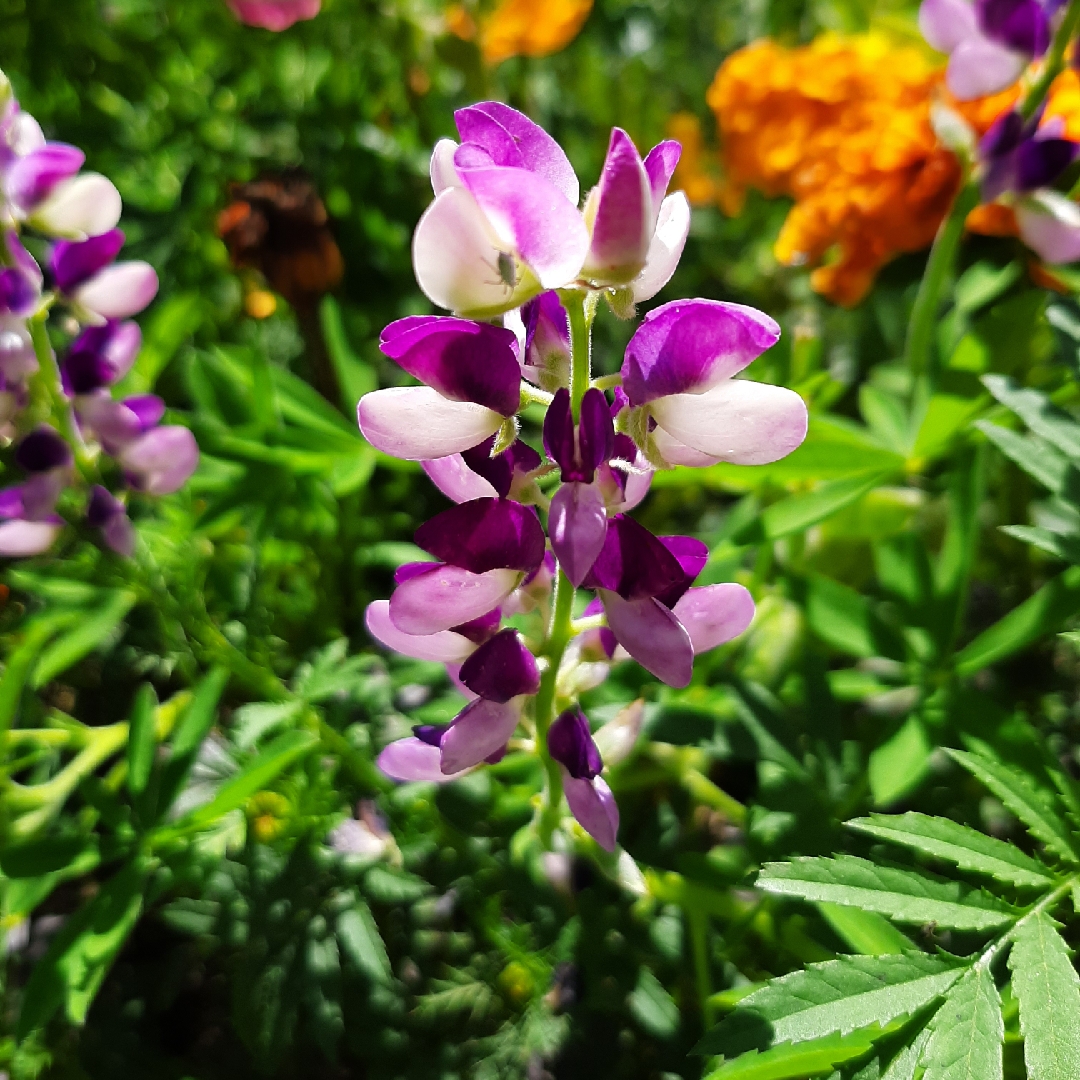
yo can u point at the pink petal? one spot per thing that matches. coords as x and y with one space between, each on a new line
577 525
1050 225
86 205
456 480
480 729
623 225
456 258
411 760
947 23
444 647
162 460
592 803
119 291
672 229
740 421
660 165
652 635
979 67
417 423
448 596
532 218
273 15
18 539
714 614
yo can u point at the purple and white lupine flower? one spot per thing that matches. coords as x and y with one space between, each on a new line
989 42
503 234
86 273
30 522
107 513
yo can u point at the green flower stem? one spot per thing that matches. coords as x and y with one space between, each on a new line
561 629
918 349
1054 62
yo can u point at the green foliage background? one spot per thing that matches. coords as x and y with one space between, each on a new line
896 618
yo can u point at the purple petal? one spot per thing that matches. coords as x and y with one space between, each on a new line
1039 162
148 408
506 470
417 423
463 360
979 67
19 539
596 432
714 614
111 422
946 23
1020 25
511 138
594 807
652 635
19 291
101 355
444 647
534 219
456 257
274 15
32 177
17 357
11 502
119 535
447 596
43 449
623 215
660 165
481 629
666 248
547 341
73 262
690 346
743 422
570 743
161 461
456 480
1050 226
40 492
577 524
633 562
102 507
119 291
692 556
559 443
480 730
501 669
485 534
411 760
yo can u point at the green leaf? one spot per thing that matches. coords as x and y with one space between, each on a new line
840 617
899 765
80 955
172 321
1051 423
946 415
89 633
798 512
1034 455
363 944
34 636
1062 547
354 376
1035 808
967 1032
653 1007
198 717
901 895
1037 616
795 1062
864 931
840 996
393 887
956 843
1046 984
142 739
251 722
903 1066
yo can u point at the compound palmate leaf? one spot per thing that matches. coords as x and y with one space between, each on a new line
902 895
967 1032
1032 806
956 843
1046 984
843 995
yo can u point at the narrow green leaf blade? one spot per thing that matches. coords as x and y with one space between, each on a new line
142 739
864 931
967 1032
1035 409
34 636
1035 456
1034 808
798 512
901 895
1048 988
199 716
800 1060
87 634
965 847
362 943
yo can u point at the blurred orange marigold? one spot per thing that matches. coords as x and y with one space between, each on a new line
532 27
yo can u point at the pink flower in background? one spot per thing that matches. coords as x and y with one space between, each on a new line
274 15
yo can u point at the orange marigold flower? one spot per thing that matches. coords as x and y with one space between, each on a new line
532 27
459 22
692 174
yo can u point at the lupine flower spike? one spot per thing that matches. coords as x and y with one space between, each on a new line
502 235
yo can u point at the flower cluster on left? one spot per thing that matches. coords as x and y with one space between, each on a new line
59 280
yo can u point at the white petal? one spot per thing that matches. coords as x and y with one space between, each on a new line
947 23
1050 226
456 480
86 205
740 421
979 67
444 647
672 229
19 539
448 596
417 423
677 453
443 173
119 291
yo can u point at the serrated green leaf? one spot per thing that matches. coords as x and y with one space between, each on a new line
901 895
1062 547
903 1066
1034 455
967 1032
1033 807
253 721
1035 409
956 843
843 995
363 944
800 1060
89 633
142 739
1046 984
